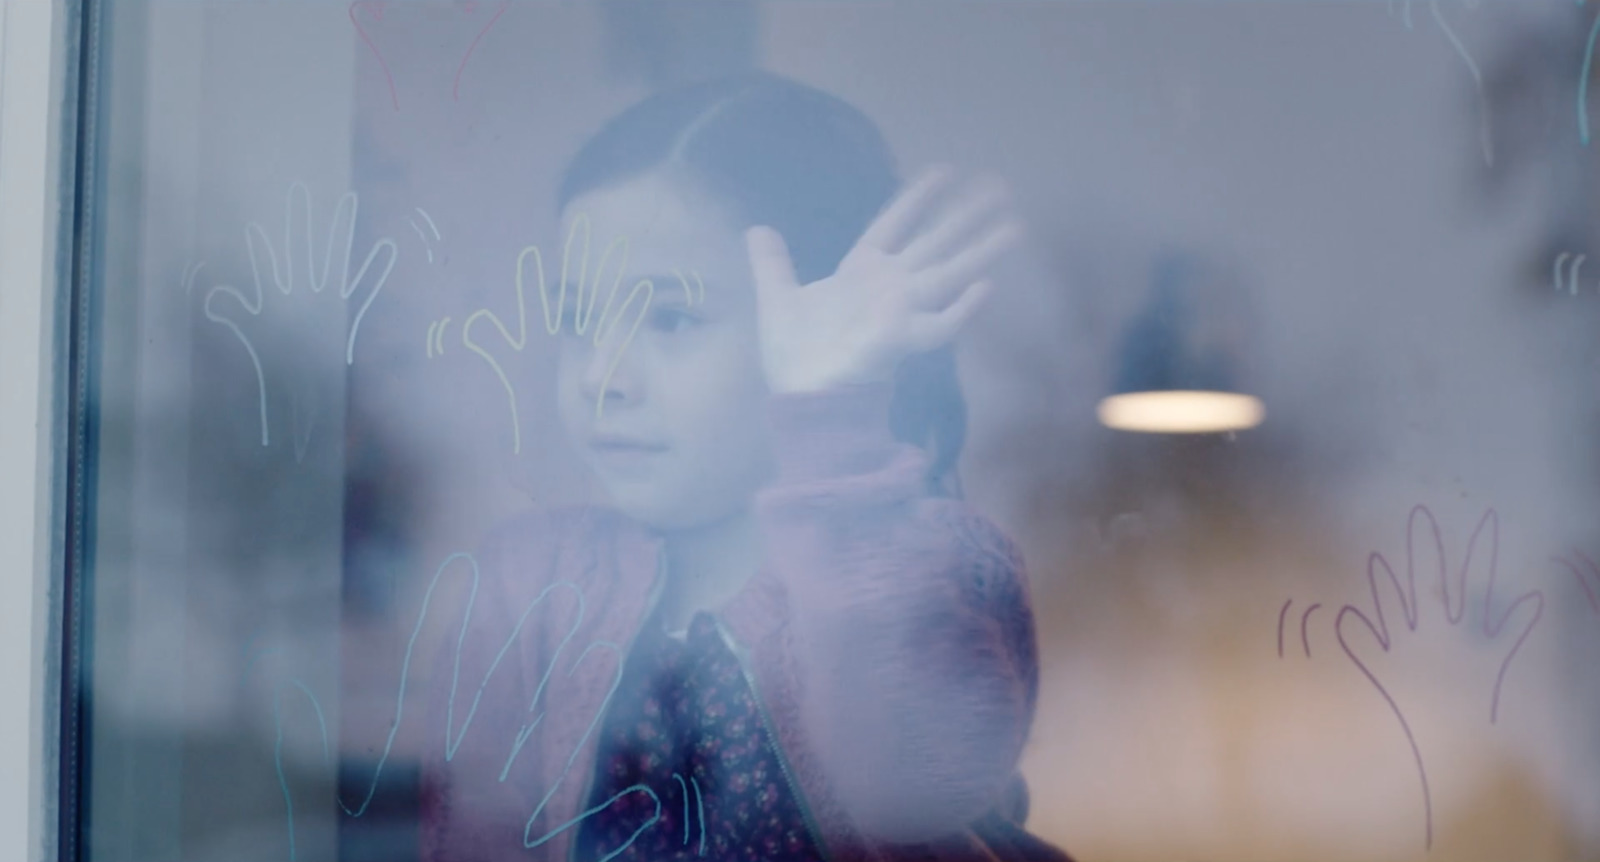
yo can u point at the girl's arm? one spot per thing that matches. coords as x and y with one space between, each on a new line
912 629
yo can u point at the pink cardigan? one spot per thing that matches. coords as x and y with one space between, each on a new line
888 636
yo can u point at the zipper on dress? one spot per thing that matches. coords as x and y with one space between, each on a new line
656 588
773 745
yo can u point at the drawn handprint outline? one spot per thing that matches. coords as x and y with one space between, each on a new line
376 9
1410 607
453 736
583 315
1590 591
1485 135
1305 622
1583 79
1572 282
349 209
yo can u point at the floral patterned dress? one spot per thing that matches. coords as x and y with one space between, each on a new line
685 768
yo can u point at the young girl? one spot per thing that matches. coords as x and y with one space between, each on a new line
786 638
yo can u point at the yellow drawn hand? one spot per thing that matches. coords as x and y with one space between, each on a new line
584 321
280 266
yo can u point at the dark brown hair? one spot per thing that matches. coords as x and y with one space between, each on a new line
776 152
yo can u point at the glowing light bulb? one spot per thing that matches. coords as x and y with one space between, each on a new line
1181 412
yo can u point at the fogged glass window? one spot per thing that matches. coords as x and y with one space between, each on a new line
965 430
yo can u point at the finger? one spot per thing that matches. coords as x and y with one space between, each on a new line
1379 632
377 280
936 330
1594 602
939 281
1425 561
892 226
769 259
264 254
959 222
1535 599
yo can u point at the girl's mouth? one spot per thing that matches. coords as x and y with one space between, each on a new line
620 443
624 453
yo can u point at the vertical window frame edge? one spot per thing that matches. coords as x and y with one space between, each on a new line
80 187
41 74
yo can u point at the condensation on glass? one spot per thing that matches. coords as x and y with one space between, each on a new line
1248 513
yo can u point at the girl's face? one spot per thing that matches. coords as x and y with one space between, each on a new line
670 418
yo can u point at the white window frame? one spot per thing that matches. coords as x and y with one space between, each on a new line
35 156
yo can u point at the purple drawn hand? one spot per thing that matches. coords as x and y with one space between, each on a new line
1587 574
1578 622
1438 648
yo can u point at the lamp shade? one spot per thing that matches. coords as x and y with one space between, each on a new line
1178 360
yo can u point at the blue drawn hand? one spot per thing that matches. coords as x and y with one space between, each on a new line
459 722
1485 136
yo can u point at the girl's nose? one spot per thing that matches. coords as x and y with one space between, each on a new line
611 370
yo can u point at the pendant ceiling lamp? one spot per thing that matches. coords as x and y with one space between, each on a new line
1178 363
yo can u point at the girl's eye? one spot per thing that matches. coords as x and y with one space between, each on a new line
671 320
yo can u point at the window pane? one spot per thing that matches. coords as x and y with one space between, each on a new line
1200 466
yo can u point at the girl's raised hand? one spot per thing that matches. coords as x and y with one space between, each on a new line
909 284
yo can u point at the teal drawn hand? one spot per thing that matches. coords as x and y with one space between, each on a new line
453 736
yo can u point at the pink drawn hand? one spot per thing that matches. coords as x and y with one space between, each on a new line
1435 649
368 15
